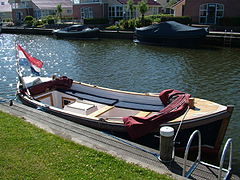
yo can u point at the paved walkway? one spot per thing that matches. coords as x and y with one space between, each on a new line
103 142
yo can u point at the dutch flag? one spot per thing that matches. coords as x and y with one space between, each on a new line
26 59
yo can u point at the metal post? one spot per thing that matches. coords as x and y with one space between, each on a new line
166 144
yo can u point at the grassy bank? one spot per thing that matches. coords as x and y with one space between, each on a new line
27 152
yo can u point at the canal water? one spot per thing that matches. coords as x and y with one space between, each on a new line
212 73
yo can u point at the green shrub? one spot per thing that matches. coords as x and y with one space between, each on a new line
48 20
28 20
164 17
229 21
96 21
38 23
7 20
180 19
145 22
113 27
131 24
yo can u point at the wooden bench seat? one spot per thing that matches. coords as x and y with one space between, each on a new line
101 111
142 114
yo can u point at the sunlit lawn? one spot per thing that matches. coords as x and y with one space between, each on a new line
27 152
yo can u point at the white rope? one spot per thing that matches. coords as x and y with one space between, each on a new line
181 124
174 139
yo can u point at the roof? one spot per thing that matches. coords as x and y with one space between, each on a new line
149 2
177 3
52 4
5 6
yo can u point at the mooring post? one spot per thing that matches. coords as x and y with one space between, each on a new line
166 143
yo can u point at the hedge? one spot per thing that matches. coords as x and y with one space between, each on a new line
229 21
162 18
96 21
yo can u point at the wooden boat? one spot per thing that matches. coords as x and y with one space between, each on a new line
122 112
171 33
77 32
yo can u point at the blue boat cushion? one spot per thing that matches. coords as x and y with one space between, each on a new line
90 97
139 106
114 102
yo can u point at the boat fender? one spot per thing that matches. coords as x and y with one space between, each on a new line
101 119
42 108
11 102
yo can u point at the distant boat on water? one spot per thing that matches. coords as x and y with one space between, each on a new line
0 26
171 33
77 32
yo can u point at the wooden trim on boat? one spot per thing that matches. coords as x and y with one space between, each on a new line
46 96
115 90
143 114
101 111
223 128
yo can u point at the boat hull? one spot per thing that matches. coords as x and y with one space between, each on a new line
212 127
89 34
193 42
171 33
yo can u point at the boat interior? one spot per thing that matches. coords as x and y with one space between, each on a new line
110 105
101 103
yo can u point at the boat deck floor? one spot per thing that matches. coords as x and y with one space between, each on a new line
107 143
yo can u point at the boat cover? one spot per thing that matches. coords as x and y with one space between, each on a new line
175 102
171 29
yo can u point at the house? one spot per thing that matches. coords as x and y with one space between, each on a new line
166 6
38 8
208 11
110 9
5 10
178 8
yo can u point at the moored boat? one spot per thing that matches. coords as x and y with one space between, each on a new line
77 32
0 26
121 112
171 33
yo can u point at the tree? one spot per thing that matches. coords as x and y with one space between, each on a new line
130 7
59 11
143 8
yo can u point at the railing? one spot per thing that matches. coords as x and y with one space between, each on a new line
228 38
198 160
196 163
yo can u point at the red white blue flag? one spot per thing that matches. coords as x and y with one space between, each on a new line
25 58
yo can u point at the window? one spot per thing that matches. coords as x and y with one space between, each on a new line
2 3
86 12
210 13
154 10
69 11
115 11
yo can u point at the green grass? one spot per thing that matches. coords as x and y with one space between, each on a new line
27 152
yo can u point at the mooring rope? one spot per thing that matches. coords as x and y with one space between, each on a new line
180 124
179 127
132 145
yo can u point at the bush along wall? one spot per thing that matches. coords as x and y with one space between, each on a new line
161 18
96 21
229 21
131 24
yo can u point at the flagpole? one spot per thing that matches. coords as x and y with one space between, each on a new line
19 72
